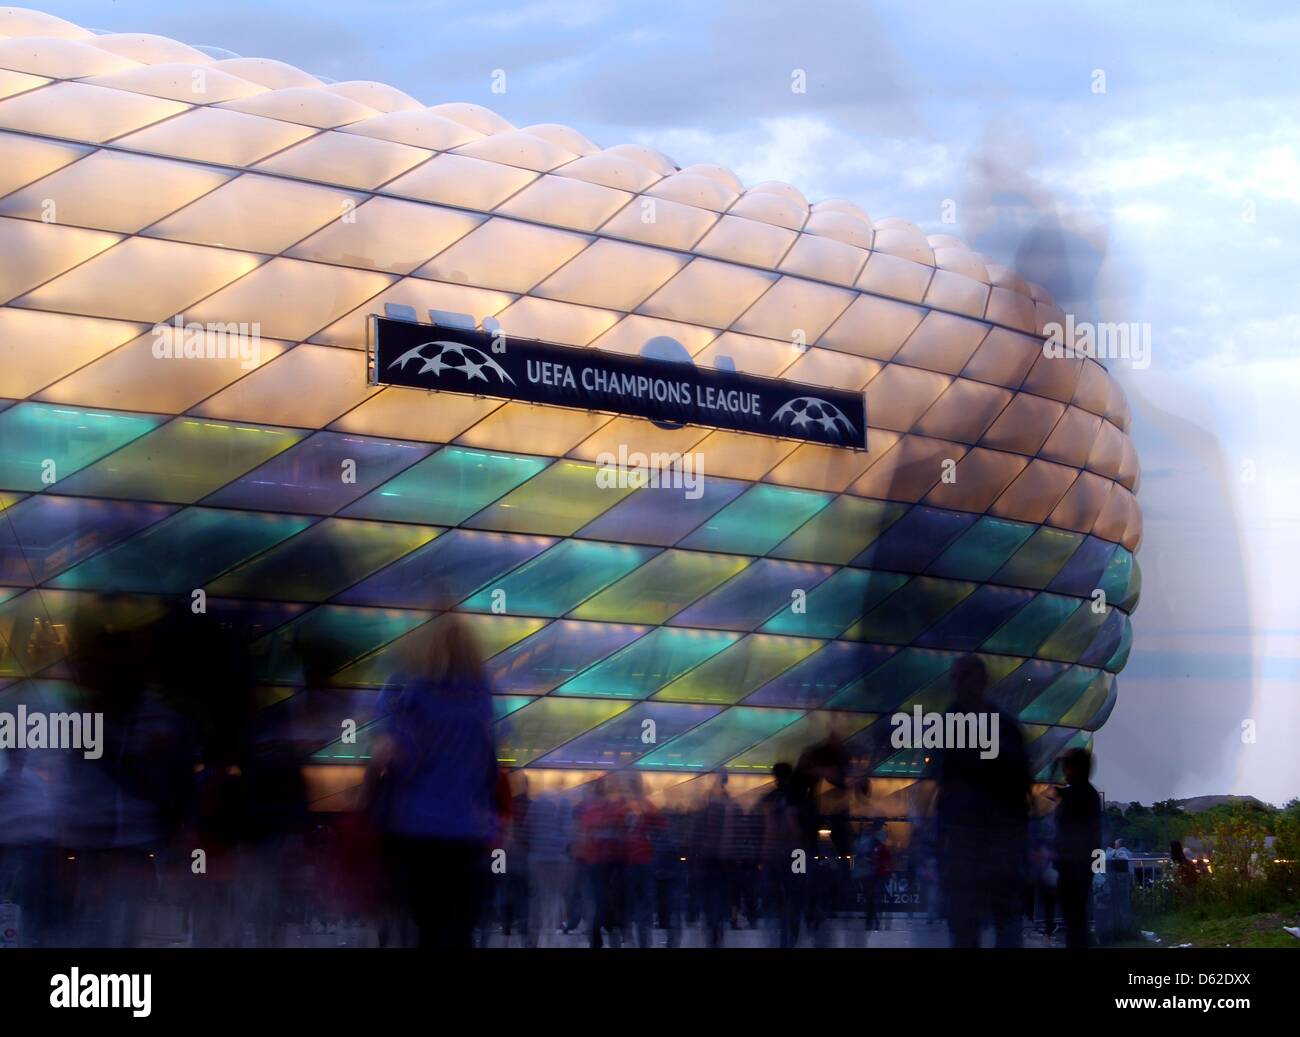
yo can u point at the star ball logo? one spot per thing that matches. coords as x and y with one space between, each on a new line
468 360
804 412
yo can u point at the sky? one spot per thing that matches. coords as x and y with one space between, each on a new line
1141 160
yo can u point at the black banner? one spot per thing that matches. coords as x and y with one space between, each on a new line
484 363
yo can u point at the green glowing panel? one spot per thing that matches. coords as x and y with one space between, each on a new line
907 614
731 675
936 695
1031 626
8 592
447 487
661 587
559 579
786 745
841 531
982 549
1074 637
645 666
406 653
1120 656
184 460
183 552
757 520
718 740
40 442
1092 699
889 684
559 501
1043 555
1129 603
331 636
835 604
326 559
504 705
1060 696
1115 580
538 728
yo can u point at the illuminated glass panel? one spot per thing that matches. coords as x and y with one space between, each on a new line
332 555
332 636
448 487
1130 599
547 722
881 690
814 680
620 741
915 540
1082 574
1088 704
321 474
1115 579
183 552
184 460
841 531
718 740
732 674
556 653
1031 626
751 597
44 534
1074 637
905 615
1064 692
937 695
647 665
1040 559
504 705
835 604
1116 662
554 582
786 745
34 625
446 570
1106 641
966 627
661 588
662 515
1030 679
559 501
758 520
32 435
248 620
984 547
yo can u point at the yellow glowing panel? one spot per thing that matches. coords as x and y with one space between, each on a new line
113 190
258 213
895 277
469 183
505 254
292 299
28 159
136 377
216 135
416 299
555 321
179 81
387 234
612 274
734 455
143 279
308 386
430 417
28 359
344 158
31 253
543 430
76 111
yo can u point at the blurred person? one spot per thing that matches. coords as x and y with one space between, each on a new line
515 910
1078 838
431 784
982 812
1182 864
603 838
871 868
711 856
645 823
670 870
550 824
783 886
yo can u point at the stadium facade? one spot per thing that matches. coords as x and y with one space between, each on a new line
151 192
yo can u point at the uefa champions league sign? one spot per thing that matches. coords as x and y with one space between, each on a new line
486 363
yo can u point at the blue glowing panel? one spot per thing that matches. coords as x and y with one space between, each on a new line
746 600
1082 574
967 626
835 604
1024 684
44 534
446 570
1106 641
813 681
321 474
718 740
555 582
915 540
556 653
662 515
621 741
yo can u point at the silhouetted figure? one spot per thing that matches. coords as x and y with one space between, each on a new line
784 886
431 785
1078 838
1181 864
982 808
